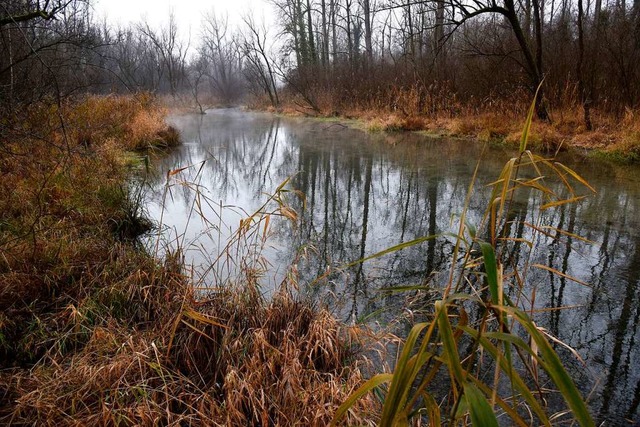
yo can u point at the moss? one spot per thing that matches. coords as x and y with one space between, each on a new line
617 156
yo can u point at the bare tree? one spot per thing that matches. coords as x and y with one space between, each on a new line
582 90
170 50
259 69
16 11
197 73
366 9
44 49
219 53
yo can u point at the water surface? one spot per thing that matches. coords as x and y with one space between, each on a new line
366 192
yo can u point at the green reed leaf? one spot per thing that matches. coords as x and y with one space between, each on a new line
555 369
482 414
491 269
361 391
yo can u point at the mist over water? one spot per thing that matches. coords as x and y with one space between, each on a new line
366 192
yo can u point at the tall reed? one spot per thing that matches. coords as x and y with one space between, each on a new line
503 337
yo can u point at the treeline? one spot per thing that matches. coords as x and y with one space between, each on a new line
426 56
417 57
57 47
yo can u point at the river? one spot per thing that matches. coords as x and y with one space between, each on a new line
364 192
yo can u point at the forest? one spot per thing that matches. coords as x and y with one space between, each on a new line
413 58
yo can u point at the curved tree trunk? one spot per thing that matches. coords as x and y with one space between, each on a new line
533 64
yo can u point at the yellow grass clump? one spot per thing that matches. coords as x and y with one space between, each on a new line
232 362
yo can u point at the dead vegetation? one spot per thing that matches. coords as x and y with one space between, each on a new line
494 119
234 360
96 331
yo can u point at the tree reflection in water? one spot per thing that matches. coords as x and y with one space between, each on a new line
366 192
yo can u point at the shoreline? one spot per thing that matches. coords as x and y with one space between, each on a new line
620 146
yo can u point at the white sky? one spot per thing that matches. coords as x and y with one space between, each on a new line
189 13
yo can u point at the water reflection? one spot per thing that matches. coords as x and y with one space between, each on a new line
366 192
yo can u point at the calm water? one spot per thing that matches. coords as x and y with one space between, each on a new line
366 192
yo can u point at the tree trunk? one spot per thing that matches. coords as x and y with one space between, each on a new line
584 98
302 34
636 14
533 65
527 17
538 29
325 35
349 35
334 33
367 29
409 22
439 52
312 47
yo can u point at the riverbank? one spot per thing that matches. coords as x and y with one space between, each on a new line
613 138
95 330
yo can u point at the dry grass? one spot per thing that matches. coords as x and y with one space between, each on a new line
493 119
95 331
626 147
136 123
67 224
394 123
238 361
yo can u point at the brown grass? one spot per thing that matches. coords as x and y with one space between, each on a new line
244 362
67 222
95 331
494 119
136 123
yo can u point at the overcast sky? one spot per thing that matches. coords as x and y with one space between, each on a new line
188 13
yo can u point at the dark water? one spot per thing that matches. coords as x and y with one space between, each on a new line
366 192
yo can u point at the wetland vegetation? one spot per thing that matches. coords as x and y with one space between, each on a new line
164 262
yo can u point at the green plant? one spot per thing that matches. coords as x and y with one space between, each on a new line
502 337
